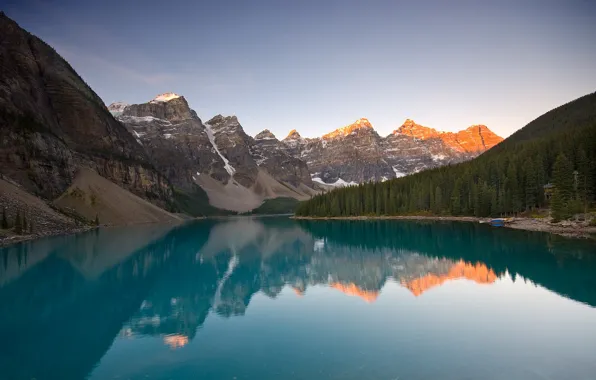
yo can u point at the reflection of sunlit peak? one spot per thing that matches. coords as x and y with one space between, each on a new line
478 273
299 292
175 340
353 290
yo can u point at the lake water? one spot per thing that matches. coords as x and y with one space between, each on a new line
272 298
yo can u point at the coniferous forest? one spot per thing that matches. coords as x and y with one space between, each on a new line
551 162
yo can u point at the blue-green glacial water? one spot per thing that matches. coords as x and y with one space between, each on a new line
273 298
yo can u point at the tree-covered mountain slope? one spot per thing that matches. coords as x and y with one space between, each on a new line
549 162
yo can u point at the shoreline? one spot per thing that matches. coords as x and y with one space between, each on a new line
565 228
15 239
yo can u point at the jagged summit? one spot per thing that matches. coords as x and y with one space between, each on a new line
411 128
219 119
361 123
476 138
165 97
265 135
117 108
293 135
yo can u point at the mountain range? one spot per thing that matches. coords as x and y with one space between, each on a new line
238 171
133 163
356 153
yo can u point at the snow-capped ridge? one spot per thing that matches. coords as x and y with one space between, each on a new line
165 97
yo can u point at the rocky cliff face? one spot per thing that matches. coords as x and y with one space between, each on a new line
189 153
353 153
234 146
472 140
270 154
175 138
52 123
356 153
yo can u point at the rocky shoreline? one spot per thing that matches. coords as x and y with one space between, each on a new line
14 239
566 228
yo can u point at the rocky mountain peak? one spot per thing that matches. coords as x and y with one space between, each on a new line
265 135
360 124
117 108
224 121
477 138
168 106
474 139
73 130
293 135
411 128
165 97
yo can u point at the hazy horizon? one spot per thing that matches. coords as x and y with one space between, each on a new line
315 67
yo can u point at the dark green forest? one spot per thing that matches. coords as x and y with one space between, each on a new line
558 149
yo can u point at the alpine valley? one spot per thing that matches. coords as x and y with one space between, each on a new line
67 159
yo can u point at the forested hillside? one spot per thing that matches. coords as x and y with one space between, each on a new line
558 149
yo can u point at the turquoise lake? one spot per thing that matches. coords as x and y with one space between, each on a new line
273 298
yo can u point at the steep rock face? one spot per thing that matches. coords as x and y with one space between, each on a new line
117 108
236 171
407 154
52 123
353 153
234 145
356 153
175 138
270 155
472 140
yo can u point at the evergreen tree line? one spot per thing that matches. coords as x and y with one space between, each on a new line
506 180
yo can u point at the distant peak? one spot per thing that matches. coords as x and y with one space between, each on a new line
265 135
293 134
411 128
165 97
480 127
220 119
361 123
117 108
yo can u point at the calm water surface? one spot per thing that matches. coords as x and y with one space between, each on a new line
273 298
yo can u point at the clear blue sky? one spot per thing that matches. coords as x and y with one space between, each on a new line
318 65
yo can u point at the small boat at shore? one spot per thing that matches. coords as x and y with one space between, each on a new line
497 222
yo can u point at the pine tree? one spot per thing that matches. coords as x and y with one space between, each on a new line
563 183
25 227
96 219
4 219
438 200
456 198
584 180
18 226
531 188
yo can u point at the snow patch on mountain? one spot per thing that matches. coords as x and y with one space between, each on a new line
166 97
398 174
339 183
142 119
227 165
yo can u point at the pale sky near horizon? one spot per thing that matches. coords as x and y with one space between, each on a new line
315 66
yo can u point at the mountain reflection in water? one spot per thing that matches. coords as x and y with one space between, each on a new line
83 291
